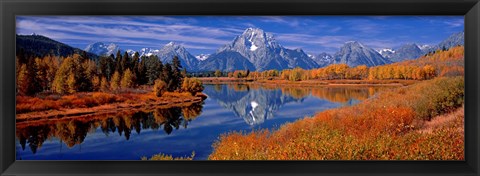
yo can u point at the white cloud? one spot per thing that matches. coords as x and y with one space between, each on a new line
121 29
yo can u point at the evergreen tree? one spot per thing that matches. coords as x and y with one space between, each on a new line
32 70
154 69
125 62
167 77
111 67
141 72
118 63
103 66
135 62
176 75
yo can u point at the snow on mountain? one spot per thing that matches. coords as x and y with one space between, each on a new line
254 106
202 57
102 49
167 52
323 59
262 51
148 52
386 52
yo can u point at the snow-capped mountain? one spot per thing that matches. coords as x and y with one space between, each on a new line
386 52
131 52
254 106
167 52
323 59
261 50
102 49
425 48
354 53
148 52
172 49
202 57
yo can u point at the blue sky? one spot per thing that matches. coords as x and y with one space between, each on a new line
205 34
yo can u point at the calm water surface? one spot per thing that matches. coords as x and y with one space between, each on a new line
182 130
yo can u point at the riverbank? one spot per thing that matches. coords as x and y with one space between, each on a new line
338 82
83 104
402 124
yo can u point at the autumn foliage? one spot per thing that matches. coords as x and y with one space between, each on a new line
439 63
381 128
192 85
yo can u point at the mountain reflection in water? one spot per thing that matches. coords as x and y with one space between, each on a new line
255 103
131 134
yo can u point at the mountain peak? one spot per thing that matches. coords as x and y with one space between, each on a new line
353 44
258 49
354 53
102 49
254 30
171 43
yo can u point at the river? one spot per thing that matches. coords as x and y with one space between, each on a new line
179 131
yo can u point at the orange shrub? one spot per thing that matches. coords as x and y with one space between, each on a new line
104 98
28 104
380 128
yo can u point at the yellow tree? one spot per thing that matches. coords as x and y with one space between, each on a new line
430 71
192 85
160 87
340 70
104 84
127 79
218 73
115 82
22 80
96 83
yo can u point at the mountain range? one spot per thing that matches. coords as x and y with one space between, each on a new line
254 50
412 51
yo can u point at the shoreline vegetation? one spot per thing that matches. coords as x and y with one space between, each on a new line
56 87
420 119
95 103
408 128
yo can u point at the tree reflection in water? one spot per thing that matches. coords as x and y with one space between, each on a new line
74 131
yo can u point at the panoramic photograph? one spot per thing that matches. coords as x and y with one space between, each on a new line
240 88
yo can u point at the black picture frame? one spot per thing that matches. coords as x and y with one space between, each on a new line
10 8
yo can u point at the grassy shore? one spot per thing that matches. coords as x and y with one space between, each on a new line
416 122
87 103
